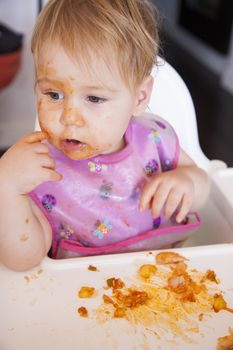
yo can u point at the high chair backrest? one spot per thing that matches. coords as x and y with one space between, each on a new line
172 101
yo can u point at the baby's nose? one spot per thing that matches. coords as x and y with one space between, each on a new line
72 116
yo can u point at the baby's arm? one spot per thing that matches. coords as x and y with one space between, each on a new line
25 234
180 190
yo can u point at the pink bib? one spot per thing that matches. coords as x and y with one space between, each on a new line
94 208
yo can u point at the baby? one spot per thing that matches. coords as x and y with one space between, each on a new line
102 176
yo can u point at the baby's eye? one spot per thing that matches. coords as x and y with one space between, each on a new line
55 95
96 99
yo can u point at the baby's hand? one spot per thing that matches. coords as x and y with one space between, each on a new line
172 191
27 164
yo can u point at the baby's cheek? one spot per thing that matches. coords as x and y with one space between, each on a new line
47 119
39 105
43 125
52 136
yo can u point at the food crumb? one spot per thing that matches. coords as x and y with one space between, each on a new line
33 276
211 276
119 312
26 279
147 270
200 317
165 258
92 268
83 311
219 303
86 292
115 283
26 221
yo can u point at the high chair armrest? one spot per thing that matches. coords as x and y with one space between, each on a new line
223 179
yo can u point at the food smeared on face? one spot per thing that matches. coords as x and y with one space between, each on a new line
85 112
46 69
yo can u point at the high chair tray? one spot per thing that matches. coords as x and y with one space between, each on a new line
39 307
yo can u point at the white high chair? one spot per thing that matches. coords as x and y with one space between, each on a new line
39 307
171 100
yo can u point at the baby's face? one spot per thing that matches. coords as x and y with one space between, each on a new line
83 114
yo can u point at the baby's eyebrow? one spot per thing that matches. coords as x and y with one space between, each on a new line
47 80
83 87
100 88
57 83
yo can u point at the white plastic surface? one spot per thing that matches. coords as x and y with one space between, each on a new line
42 313
224 180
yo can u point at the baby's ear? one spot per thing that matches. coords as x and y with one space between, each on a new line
143 94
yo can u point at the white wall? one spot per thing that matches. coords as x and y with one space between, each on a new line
220 64
17 101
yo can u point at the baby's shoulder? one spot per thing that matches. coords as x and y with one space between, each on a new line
154 139
151 127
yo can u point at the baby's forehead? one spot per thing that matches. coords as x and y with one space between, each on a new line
93 71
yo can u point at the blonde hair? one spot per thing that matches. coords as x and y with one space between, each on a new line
126 28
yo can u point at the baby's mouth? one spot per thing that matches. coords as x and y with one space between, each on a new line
72 144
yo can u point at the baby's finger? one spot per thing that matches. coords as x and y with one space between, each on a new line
173 200
35 136
186 204
46 161
51 175
147 195
41 148
159 200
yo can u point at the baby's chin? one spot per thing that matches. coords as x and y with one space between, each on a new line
79 151
81 154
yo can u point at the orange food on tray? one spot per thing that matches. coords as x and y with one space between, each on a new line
165 296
